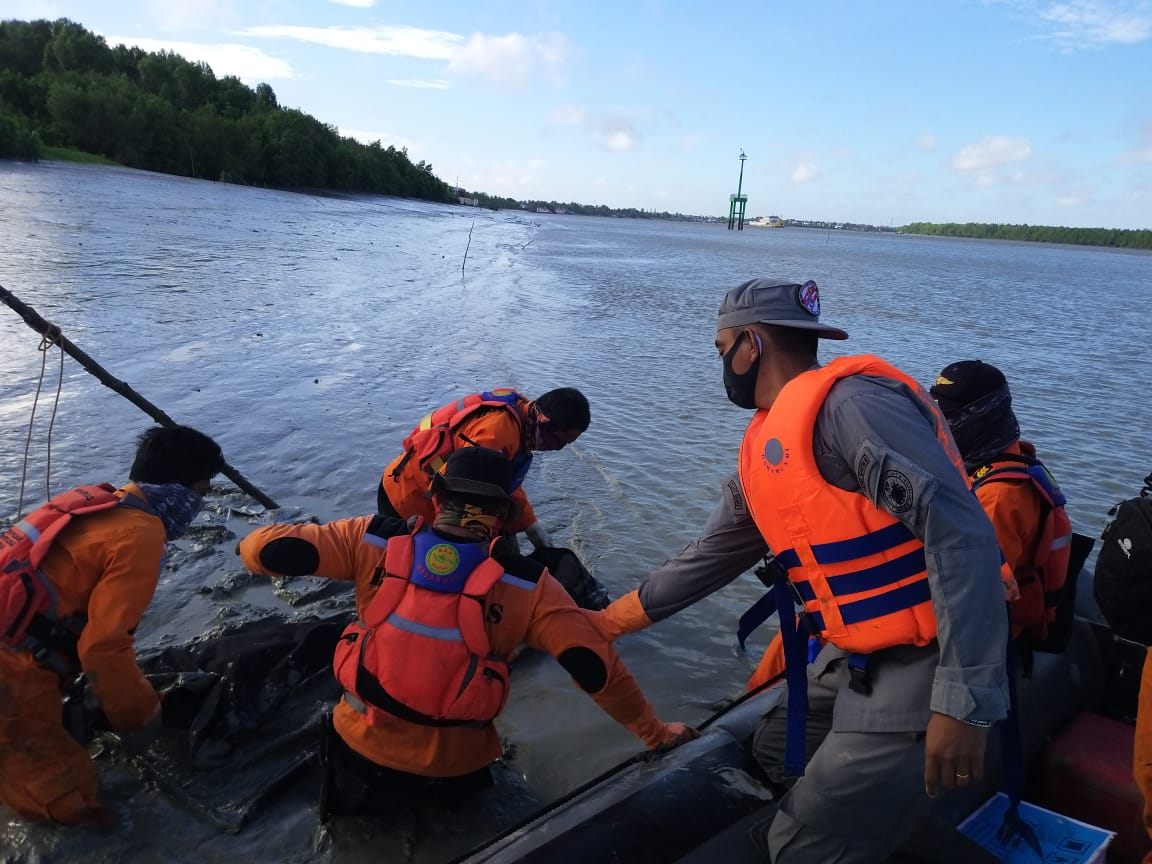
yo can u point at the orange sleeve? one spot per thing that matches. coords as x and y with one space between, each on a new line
524 516
335 550
134 550
1142 751
771 664
558 625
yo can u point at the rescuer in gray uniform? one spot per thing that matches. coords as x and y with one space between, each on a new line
919 720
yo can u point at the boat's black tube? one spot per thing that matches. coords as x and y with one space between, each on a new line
651 807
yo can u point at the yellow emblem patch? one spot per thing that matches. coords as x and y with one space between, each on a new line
442 559
942 380
981 471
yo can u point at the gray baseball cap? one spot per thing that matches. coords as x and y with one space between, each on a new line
778 302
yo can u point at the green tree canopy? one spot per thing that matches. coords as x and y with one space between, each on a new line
63 86
1116 237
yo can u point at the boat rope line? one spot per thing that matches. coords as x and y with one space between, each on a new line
49 338
52 335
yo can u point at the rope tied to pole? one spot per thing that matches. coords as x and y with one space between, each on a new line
50 337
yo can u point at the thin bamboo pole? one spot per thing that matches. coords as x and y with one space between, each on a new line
52 333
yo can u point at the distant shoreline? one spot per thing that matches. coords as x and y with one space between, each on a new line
1112 238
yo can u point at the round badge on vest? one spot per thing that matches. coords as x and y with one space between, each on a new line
442 559
776 455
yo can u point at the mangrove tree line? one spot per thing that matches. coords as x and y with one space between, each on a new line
63 86
1117 237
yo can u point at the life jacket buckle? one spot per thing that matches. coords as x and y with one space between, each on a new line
858 677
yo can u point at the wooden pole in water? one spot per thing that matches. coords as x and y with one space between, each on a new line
52 333
466 248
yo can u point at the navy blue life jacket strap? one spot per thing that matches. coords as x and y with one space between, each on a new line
796 673
760 611
1010 734
757 614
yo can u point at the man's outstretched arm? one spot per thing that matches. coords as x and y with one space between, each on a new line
729 545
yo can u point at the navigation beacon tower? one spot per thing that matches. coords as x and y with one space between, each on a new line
738 202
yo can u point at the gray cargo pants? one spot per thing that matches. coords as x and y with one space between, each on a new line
861 794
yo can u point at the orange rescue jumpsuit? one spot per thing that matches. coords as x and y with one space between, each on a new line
408 491
104 567
1014 508
543 616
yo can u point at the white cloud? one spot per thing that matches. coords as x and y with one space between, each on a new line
1078 24
612 131
188 14
514 59
1137 157
386 139
990 153
926 142
508 177
359 4
419 84
568 115
243 61
619 142
690 143
397 41
1142 152
804 171
1074 25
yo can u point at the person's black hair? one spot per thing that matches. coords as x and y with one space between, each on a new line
175 454
567 408
795 341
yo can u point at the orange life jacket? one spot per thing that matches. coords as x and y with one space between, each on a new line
27 598
1049 564
420 652
434 437
859 571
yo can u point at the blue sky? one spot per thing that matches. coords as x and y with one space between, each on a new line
935 110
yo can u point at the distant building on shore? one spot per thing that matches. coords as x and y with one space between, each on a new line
766 222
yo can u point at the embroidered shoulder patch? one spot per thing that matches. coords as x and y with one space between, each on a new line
896 491
862 469
737 496
809 297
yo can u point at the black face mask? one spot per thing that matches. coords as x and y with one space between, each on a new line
741 388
